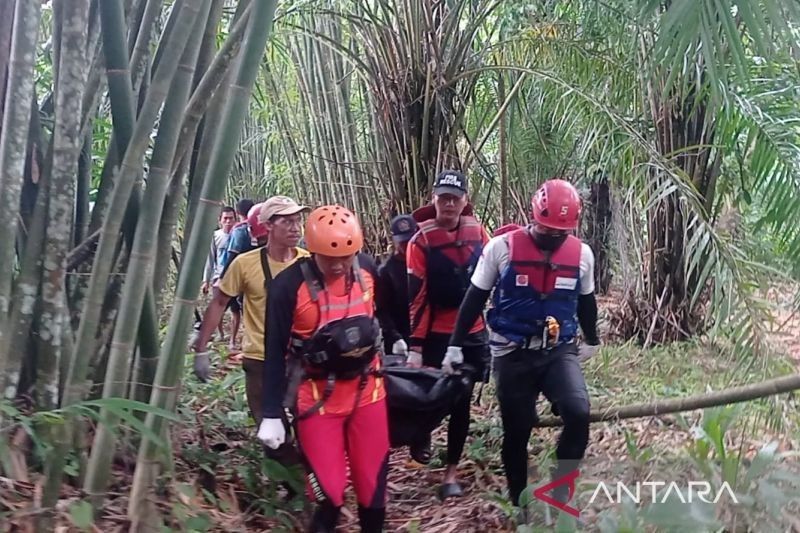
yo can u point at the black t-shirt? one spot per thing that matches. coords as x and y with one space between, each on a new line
393 279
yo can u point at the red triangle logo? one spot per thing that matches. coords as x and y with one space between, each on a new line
569 479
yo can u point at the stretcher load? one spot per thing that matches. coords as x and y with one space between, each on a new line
418 399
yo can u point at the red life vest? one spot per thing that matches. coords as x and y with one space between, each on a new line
541 272
451 259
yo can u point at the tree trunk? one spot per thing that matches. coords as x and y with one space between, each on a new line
744 393
67 142
6 30
598 232
14 141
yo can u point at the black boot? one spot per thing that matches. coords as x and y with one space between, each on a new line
325 517
561 469
371 520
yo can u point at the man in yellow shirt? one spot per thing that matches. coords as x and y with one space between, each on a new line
282 218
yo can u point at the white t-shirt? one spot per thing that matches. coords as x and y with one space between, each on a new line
494 260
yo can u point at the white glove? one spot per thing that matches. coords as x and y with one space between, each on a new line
272 433
453 356
400 347
414 359
587 351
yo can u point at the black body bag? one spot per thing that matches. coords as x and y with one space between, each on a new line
418 399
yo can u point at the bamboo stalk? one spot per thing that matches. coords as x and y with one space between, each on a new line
174 12
139 268
82 191
144 368
14 142
124 184
170 363
167 231
136 69
142 46
502 147
67 143
210 127
120 89
6 30
211 82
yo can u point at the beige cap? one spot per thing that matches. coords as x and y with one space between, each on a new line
280 206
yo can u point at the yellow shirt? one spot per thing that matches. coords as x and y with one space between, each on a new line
245 276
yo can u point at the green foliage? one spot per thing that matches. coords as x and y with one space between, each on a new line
81 515
766 486
38 425
224 450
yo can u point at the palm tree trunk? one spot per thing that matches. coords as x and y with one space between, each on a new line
502 147
170 363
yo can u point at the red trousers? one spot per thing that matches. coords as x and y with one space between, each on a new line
330 442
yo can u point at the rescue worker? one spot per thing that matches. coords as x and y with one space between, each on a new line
543 280
324 330
393 281
241 239
249 275
441 257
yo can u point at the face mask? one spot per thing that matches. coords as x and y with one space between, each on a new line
548 242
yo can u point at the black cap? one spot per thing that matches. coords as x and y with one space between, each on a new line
450 182
403 227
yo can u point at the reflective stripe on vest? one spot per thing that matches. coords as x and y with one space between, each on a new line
357 301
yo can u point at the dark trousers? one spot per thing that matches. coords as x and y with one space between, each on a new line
433 352
521 376
286 454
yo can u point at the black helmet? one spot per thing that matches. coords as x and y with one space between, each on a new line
419 399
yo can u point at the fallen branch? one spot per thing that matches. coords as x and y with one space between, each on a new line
83 252
733 395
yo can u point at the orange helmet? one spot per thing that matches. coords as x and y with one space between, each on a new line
334 231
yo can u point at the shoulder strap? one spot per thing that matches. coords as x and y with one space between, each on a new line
359 276
265 267
311 280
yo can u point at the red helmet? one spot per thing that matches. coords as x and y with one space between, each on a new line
257 229
557 205
508 228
